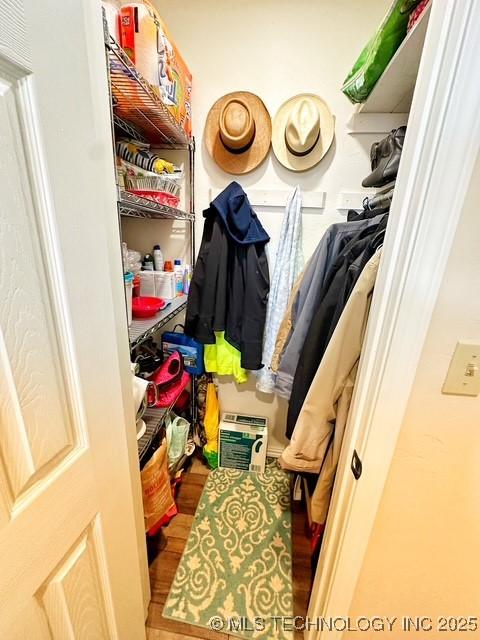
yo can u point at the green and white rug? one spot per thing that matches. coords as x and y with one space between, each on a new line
235 574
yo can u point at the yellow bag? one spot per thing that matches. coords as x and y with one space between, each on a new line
211 421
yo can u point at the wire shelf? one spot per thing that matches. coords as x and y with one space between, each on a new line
137 207
140 330
128 129
154 419
138 103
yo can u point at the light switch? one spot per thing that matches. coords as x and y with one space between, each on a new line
463 377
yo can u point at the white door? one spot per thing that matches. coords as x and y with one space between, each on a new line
70 521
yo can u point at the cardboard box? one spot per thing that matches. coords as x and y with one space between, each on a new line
147 42
242 442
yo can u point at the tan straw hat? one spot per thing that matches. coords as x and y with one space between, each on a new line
303 131
238 132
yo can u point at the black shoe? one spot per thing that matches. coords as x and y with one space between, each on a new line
385 159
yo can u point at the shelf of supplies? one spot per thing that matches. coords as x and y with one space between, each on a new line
140 330
393 92
137 102
135 206
154 419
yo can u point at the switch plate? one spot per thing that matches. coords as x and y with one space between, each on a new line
463 377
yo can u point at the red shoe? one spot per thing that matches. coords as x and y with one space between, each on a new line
170 379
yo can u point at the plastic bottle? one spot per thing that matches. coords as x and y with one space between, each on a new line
157 258
187 277
178 270
147 264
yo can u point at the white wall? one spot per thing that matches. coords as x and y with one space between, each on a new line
423 555
276 49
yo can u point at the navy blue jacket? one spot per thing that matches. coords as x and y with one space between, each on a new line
230 281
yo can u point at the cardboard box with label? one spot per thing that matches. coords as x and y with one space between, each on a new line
242 442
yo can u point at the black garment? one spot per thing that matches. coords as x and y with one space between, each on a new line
230 282
372 206
207 302
366 214
335 293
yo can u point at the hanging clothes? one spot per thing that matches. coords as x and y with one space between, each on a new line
286 325
373 206
306 300
318 434
342 278
230 282
223 359
288 263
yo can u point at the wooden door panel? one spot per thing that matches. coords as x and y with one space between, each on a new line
13 33
40 535
31 624
69 559
37 429
73 597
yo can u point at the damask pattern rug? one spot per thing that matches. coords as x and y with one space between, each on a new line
235 574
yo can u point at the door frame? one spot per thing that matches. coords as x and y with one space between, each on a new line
441 146
75 528
94 35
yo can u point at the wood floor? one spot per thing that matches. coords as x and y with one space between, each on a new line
164 565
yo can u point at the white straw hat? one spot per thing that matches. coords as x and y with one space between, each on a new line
302 131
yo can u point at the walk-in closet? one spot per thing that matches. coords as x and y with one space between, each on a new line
307 237
227 237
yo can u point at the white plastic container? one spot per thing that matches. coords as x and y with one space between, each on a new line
160 284
165 285
147 283
128 282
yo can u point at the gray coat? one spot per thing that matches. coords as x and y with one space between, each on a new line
307 298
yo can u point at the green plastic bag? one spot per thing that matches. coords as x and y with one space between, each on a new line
378 52
177 429
211 457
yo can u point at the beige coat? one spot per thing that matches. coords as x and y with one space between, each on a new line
286 326
318 434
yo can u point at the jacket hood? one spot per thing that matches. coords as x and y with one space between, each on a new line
241 221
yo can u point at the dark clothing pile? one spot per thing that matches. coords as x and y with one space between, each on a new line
345 267
230 282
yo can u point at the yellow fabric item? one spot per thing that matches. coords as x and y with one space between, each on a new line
159 164
224 359
212 418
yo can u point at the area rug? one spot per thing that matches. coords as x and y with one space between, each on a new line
235 574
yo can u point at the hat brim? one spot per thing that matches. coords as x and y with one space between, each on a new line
239 163
323 144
